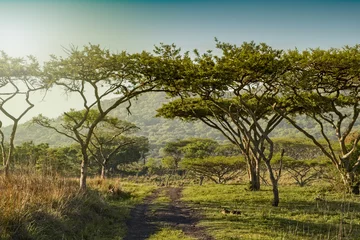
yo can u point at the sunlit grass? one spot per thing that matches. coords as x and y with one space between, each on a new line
299 215
170 234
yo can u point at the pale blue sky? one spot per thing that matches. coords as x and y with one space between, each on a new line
42 27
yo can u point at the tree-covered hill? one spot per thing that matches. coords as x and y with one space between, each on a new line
143 111
158 130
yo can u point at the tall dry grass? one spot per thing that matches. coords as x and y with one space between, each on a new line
24 196
51 207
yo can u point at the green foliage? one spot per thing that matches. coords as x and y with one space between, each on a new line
129 153
219 169
169 163
62 160
46 160
153 165
174 152
323 85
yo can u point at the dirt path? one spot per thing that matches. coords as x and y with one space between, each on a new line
149 217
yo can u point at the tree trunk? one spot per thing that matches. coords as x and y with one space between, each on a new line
276 199
102 176
3 154
201 180
6 169
254 177
274 183
83 171
11 150
350 182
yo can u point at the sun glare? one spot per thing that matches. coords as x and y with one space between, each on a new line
18 40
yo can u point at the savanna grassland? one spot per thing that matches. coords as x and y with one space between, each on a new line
36 207
304 213
251 186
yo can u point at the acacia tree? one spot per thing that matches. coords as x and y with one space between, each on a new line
172 152
324 86
94 74
234 94
134 152
218 169
19 78
108 139
189 148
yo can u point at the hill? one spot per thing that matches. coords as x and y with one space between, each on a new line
158 130
143 111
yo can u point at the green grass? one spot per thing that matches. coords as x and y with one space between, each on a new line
299 215
169 234
162 198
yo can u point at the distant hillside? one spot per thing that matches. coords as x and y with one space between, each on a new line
158 130
143 111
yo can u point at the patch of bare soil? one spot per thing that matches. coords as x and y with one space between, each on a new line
147 218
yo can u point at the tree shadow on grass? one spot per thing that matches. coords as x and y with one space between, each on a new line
324 219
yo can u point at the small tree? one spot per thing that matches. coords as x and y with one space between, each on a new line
305 171
108 140
59 161
218 169
27 154
174 152
130 153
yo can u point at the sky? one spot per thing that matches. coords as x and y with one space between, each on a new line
41 28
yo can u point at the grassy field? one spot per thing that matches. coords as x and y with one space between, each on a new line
299 215
35 207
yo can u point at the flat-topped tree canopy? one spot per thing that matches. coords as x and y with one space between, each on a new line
233 92
95 74
324 85
19 78
235 107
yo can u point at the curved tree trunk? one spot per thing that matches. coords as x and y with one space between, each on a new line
274 183
11 149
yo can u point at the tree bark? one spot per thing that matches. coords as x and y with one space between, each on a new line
254 177
274 183
102 176
6 170
350 183
83 173
11 149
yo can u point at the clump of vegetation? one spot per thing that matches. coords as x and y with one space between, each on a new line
40 207
218 169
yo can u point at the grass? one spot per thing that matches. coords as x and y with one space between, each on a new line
299 215
169 234
37 207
